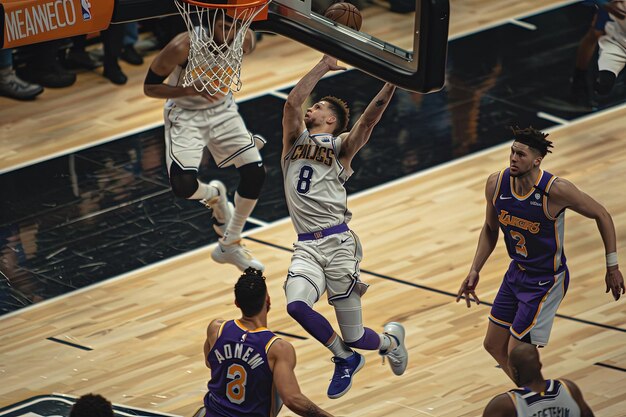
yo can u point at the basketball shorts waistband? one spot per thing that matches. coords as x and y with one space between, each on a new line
340 228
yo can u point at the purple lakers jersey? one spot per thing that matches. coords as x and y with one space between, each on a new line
534 239
241 379
555 400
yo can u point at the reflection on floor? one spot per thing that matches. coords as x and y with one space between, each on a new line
98 213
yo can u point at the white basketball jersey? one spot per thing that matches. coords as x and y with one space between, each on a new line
555 401
617 28
313 180
195 102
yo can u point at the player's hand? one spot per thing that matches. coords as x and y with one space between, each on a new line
468 287
612 8
614 282
332 63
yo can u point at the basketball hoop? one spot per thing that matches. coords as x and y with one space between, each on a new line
216 41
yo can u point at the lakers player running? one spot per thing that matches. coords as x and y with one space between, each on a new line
529 204
316 161
536 396
252 370
194 120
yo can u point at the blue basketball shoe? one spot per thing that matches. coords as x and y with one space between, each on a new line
344 370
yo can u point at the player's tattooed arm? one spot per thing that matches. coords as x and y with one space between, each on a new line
314 411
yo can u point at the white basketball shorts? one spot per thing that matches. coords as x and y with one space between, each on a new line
328 264
220 128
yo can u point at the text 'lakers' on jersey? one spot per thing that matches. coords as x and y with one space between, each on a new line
534 239
241 379
313 179
555 401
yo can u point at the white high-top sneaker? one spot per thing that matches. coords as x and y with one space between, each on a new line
236 254
398 356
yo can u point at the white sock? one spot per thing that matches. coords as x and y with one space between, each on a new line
339 348
204 192
387 342
243 210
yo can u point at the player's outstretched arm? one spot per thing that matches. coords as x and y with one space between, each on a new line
293 123
362 129
284 357
500 406
173 54
486 244
564 194
585 410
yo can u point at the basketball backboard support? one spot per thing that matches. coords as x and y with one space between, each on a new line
421 69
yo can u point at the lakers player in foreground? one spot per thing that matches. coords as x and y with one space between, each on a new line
252 369
194 120
316 162
529 204
536 396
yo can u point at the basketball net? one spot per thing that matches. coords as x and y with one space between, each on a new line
216 50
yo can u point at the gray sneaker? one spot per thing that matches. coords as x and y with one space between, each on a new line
236 254
398 357
14 87
221 207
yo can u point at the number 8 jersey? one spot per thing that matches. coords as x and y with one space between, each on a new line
241 382
313 180
534 239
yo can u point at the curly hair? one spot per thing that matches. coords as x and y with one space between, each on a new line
342 112
533 138
250 291
92 405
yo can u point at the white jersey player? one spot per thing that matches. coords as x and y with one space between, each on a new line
194 120
536 396
612 57
316 161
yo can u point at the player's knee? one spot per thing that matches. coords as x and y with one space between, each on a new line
604 82
252 177
184 183
497 350
298 310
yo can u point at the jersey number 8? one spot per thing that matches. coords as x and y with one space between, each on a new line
236 389
304 179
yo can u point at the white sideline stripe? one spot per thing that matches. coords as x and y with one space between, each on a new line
258 222
553 118
525 25
287 219
80 147
507 19
273 92
64 400
279 94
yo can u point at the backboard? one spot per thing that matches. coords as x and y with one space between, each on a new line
420 68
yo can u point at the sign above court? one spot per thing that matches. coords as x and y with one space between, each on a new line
26 22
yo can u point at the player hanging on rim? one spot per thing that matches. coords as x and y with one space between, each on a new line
316 161
194 120
529 204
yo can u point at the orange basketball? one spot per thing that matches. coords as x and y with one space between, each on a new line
346 14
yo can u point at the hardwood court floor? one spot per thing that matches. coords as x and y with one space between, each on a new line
146 330
94 110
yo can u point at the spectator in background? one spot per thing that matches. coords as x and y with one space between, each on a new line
42 65
11 85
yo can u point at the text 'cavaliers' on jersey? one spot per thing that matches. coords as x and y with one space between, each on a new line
241 382
314 183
